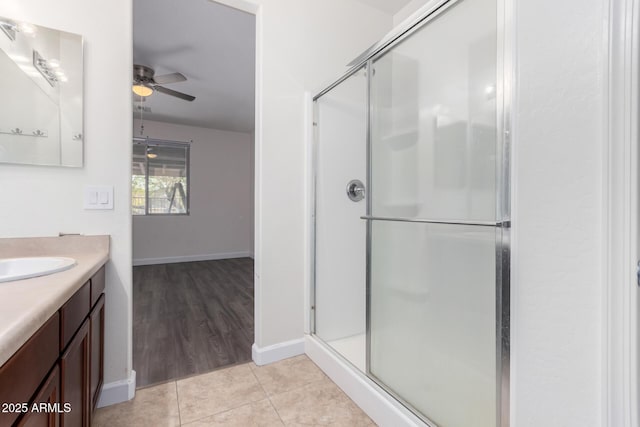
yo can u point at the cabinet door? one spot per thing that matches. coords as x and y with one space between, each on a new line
47 401
23 373
74 373
97 351
73 313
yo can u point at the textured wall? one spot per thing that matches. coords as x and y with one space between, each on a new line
557 177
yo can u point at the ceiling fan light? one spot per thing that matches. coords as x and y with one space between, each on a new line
142 90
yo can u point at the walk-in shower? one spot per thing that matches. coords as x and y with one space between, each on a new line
410 282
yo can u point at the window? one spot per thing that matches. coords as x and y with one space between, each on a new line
160 178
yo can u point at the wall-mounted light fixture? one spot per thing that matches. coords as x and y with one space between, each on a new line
44 68
26 28
10 29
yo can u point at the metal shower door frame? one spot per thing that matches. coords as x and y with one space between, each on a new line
502 225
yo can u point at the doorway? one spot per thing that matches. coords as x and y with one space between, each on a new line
192 188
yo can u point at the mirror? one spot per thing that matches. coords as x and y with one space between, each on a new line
41 92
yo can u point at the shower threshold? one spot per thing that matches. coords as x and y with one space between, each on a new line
353 348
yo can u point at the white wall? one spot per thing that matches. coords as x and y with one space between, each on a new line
42 201
221 206
252 201
303 45
409 10
557 212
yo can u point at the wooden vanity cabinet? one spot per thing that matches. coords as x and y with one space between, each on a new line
73 313
61 367
22 374
74 372
97 352
49 394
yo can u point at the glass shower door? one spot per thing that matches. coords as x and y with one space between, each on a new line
432 218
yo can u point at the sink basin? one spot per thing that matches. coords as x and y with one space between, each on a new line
25 268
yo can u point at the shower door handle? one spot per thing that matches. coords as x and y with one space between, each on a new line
437 221
355 190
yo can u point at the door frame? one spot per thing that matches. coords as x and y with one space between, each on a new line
620 216
504 94
254 7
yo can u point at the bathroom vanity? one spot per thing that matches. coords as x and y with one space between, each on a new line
52 335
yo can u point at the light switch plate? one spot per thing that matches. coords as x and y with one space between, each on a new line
98 197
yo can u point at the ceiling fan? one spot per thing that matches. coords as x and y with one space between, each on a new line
145 82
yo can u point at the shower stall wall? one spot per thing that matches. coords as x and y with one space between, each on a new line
411 224
340 253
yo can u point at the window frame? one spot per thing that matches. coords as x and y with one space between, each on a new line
152 142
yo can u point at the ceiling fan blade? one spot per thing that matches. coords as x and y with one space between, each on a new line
169 78
180 95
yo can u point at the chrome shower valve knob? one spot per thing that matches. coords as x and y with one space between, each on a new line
355 190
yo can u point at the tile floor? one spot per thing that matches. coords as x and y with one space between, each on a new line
291 392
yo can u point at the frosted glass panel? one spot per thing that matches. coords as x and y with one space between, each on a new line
432 310
434 119
340 269
433 319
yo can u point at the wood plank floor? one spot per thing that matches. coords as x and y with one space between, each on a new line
190 318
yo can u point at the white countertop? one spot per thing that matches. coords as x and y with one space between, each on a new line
25 305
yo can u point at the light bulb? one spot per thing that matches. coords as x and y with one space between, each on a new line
142 90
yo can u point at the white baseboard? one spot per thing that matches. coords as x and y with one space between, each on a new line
118 391
375 402
280 351
191 258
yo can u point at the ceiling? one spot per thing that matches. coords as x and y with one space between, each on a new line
213 46
387 6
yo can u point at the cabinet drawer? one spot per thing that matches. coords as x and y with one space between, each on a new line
73 313
97 286
21 375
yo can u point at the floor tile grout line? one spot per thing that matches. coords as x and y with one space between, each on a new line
178 403
193 375
234 407
254 369
266 394
222 412
299 387
325 378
